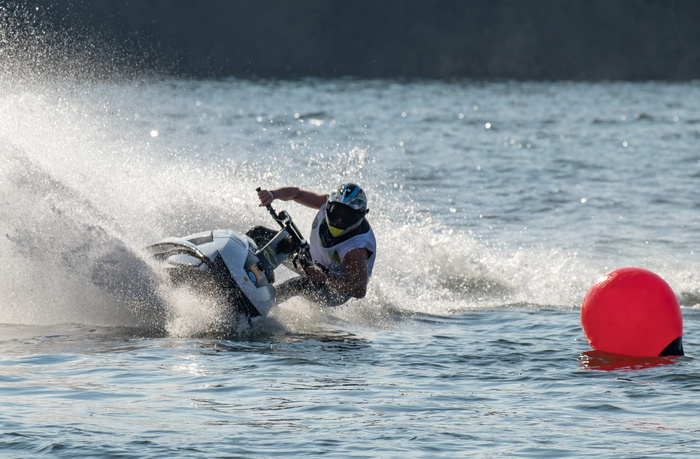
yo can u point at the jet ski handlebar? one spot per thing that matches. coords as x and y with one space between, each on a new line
285 221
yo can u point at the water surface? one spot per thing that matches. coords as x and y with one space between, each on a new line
496 206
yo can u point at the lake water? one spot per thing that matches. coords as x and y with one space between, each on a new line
496 205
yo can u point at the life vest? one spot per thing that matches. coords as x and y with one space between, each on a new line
329 251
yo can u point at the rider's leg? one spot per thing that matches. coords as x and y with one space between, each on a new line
318 293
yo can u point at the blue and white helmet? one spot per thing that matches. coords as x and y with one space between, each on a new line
350 195
345 209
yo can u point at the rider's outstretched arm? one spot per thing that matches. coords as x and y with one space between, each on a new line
291 193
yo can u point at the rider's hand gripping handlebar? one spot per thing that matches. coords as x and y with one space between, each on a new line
278 217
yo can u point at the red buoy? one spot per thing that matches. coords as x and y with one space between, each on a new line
632 311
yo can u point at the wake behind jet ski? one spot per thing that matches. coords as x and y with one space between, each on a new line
225 263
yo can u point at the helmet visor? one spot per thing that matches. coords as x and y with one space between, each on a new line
341 216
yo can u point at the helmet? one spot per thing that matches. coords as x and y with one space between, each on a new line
345 209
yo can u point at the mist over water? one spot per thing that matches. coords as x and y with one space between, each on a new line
94 171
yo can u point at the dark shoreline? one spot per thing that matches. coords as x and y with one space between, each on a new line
589 40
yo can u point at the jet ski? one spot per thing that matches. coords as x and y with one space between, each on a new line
231 265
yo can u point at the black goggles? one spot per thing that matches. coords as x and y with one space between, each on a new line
341 216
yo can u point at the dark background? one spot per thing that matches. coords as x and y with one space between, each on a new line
505 39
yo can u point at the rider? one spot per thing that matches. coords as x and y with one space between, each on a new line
342 244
